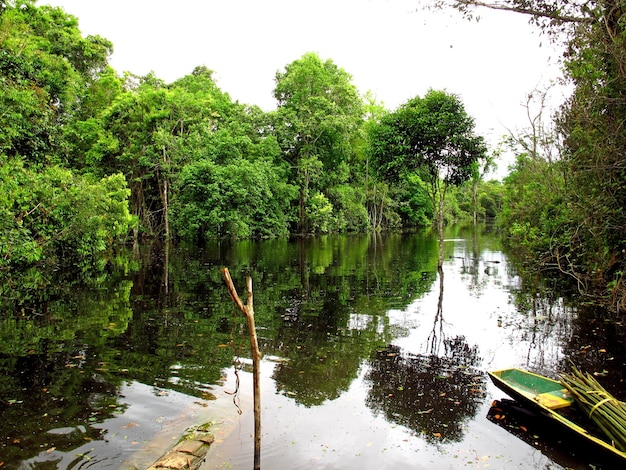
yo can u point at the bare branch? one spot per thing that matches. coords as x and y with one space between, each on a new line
534 9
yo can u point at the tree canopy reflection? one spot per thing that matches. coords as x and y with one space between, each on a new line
429 394
433 394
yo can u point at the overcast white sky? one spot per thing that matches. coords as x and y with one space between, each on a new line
388 46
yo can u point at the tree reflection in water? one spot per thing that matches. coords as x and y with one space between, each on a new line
437 335
433 394
428 394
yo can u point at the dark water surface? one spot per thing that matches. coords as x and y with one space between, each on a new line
372 359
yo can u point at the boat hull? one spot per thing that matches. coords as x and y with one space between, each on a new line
548 397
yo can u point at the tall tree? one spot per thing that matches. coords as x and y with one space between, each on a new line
149 131
319 111
434 138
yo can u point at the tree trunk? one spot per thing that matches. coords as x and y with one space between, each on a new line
164 200
304 191
475 198
440 229
165 196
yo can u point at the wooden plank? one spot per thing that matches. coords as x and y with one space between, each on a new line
553 401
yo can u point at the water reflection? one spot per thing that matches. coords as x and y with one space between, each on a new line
437 335
337 315
542 321
548 436
598 345
433 395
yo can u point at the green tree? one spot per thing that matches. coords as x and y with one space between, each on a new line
45 66
149 132
319 112
431 137
592 246
58 218
241 199
479 171
381 206
84 131
535 213
592 124
153 131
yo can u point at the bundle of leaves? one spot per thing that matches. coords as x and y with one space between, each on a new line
604 409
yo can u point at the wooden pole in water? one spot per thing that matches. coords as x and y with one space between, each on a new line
248 311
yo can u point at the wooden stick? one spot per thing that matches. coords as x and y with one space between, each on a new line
248 311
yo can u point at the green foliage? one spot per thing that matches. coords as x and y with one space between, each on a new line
45 64
319 212
319 112
582 229
489 198
66 112
239 200
383 207
83 133
595 139
426 145
348 203
534 214
59 217
415 207
433 135
153 131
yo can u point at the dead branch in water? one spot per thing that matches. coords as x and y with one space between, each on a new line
248 311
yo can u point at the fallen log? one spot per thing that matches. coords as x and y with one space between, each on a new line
189 452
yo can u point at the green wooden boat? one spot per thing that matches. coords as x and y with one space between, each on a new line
551 399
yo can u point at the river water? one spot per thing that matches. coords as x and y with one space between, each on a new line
372 358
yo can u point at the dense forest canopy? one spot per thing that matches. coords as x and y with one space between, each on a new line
91 157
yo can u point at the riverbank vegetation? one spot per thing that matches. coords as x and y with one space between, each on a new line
197 165
91 156
564 197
